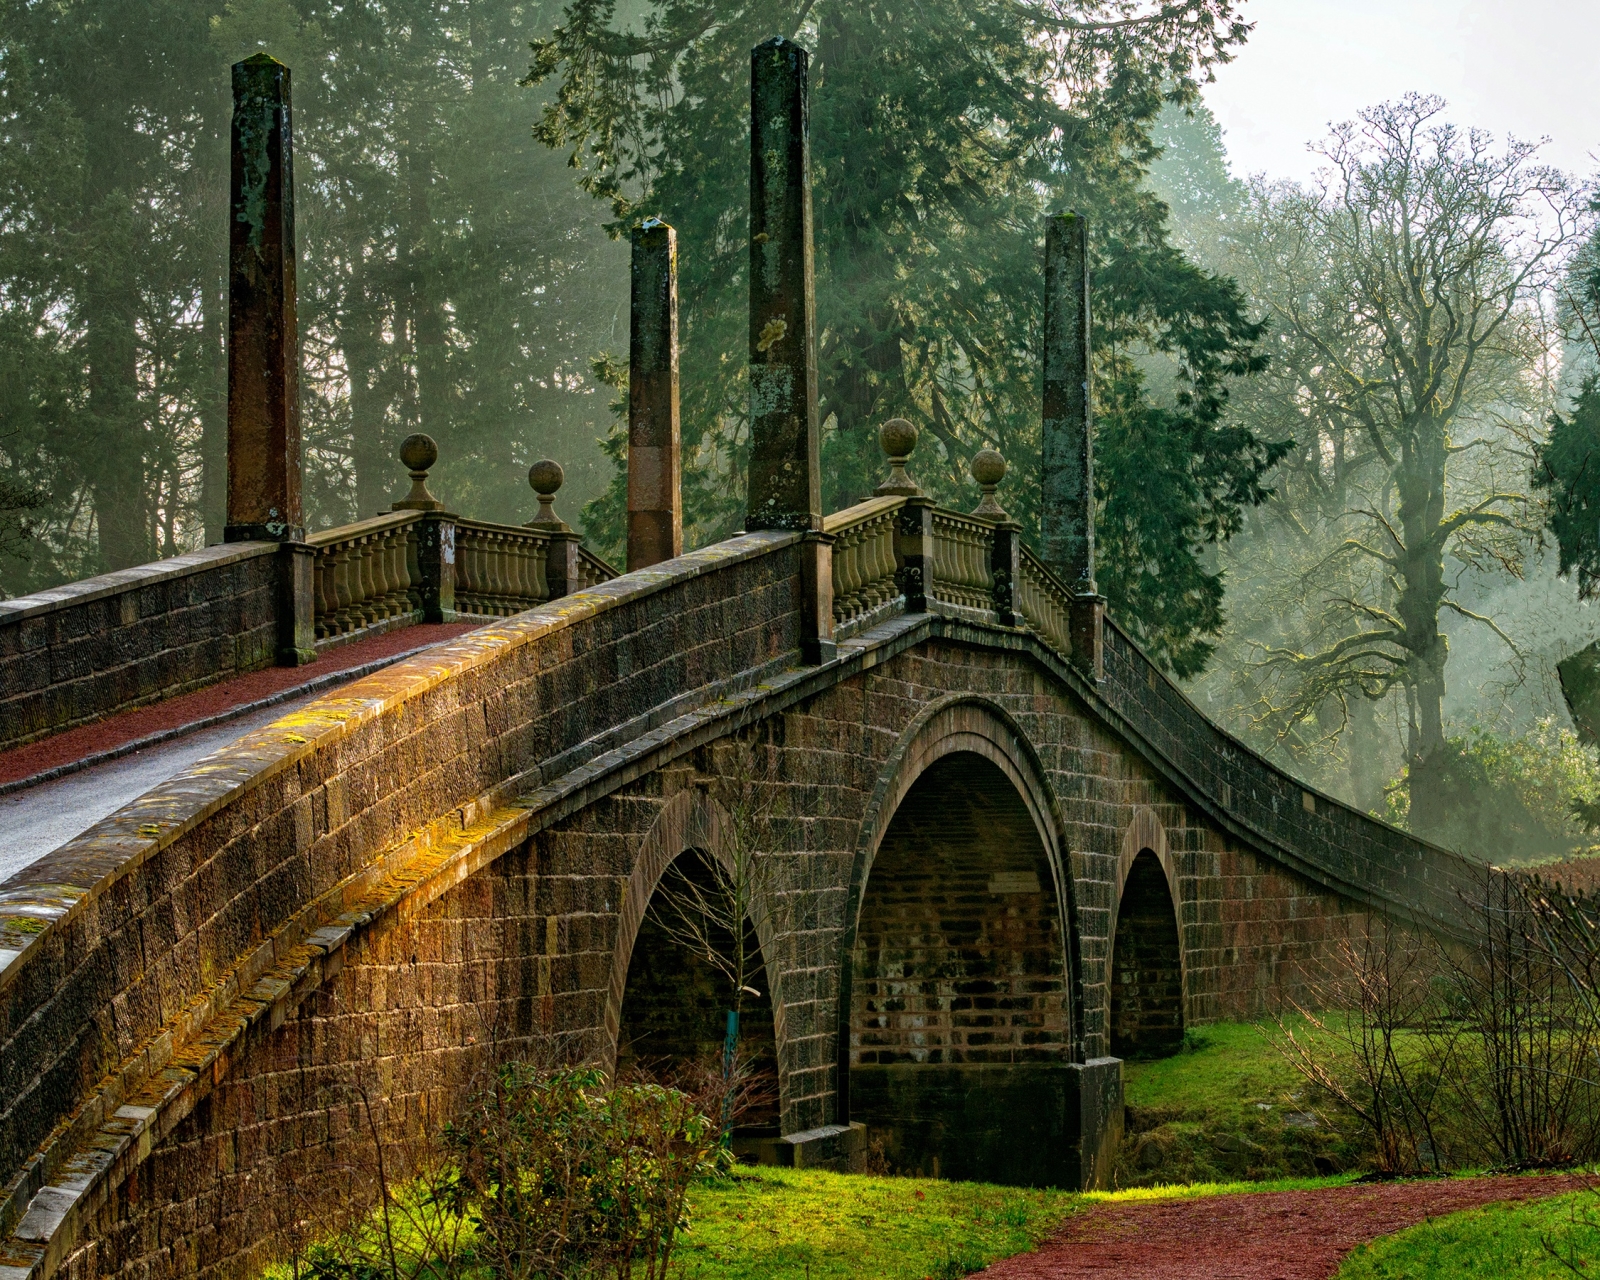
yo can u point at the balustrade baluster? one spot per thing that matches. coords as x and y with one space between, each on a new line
382 584
327 600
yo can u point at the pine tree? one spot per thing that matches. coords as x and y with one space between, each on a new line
943 134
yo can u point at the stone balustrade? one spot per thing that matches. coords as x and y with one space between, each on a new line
961 553
1044 602
89 649
500 571
366 574
863 558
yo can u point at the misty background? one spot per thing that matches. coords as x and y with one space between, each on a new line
460 275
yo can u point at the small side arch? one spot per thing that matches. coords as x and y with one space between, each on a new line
1146 978
690 820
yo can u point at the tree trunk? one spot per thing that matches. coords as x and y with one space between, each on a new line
214 412
1420 485
114 462
372 449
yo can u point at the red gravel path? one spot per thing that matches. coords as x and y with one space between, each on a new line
115 731
1279 1235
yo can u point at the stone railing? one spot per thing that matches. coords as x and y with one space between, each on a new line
962 549
1044 601
897 549
864 563
366 575
80 652
500 569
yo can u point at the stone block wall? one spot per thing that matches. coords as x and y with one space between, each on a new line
160 917
959 955
82 651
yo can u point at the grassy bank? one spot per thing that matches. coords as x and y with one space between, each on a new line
811 1225
1534 1240
1229 1107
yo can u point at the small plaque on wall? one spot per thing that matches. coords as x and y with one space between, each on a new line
1014 882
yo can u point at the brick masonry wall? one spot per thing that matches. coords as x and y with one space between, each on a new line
163 910
1147 966
521 957
959 954
91 648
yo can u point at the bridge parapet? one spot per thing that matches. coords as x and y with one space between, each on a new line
83 651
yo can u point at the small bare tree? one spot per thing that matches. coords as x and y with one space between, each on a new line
1527 1087
721 913
1349 1043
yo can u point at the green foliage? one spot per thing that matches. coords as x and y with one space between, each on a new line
453 278
1508 797
560 1174
1551 1239
942 134
1406 288
1568 467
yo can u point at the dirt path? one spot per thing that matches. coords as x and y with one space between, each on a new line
1280 1235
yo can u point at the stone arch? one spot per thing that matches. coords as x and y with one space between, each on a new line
691 823
1145 976
958 1009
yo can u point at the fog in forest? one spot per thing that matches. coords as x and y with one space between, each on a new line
1344 423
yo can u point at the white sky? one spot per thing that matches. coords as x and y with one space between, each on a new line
1528 67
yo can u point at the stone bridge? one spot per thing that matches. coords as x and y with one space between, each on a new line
1001 850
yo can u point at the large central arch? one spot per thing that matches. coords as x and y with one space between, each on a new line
960 1022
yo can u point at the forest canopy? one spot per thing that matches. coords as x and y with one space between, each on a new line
943 133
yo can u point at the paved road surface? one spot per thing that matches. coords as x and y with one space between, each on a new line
36 818
40 818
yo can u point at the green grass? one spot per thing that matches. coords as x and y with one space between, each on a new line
1224 1069
812 1225
1492 1243
1230 1107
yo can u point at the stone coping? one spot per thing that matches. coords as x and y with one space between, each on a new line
88 590
63 882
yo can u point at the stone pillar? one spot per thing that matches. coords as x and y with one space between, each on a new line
655 504
913 533
785 488
1067 536
297 604
263 334
785 482
988 468
435 532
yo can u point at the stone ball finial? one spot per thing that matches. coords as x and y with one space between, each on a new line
989 469
897 438
546 479
418 452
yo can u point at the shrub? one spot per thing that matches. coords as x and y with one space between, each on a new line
562 1177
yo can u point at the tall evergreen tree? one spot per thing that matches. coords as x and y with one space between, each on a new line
943 133
453 276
